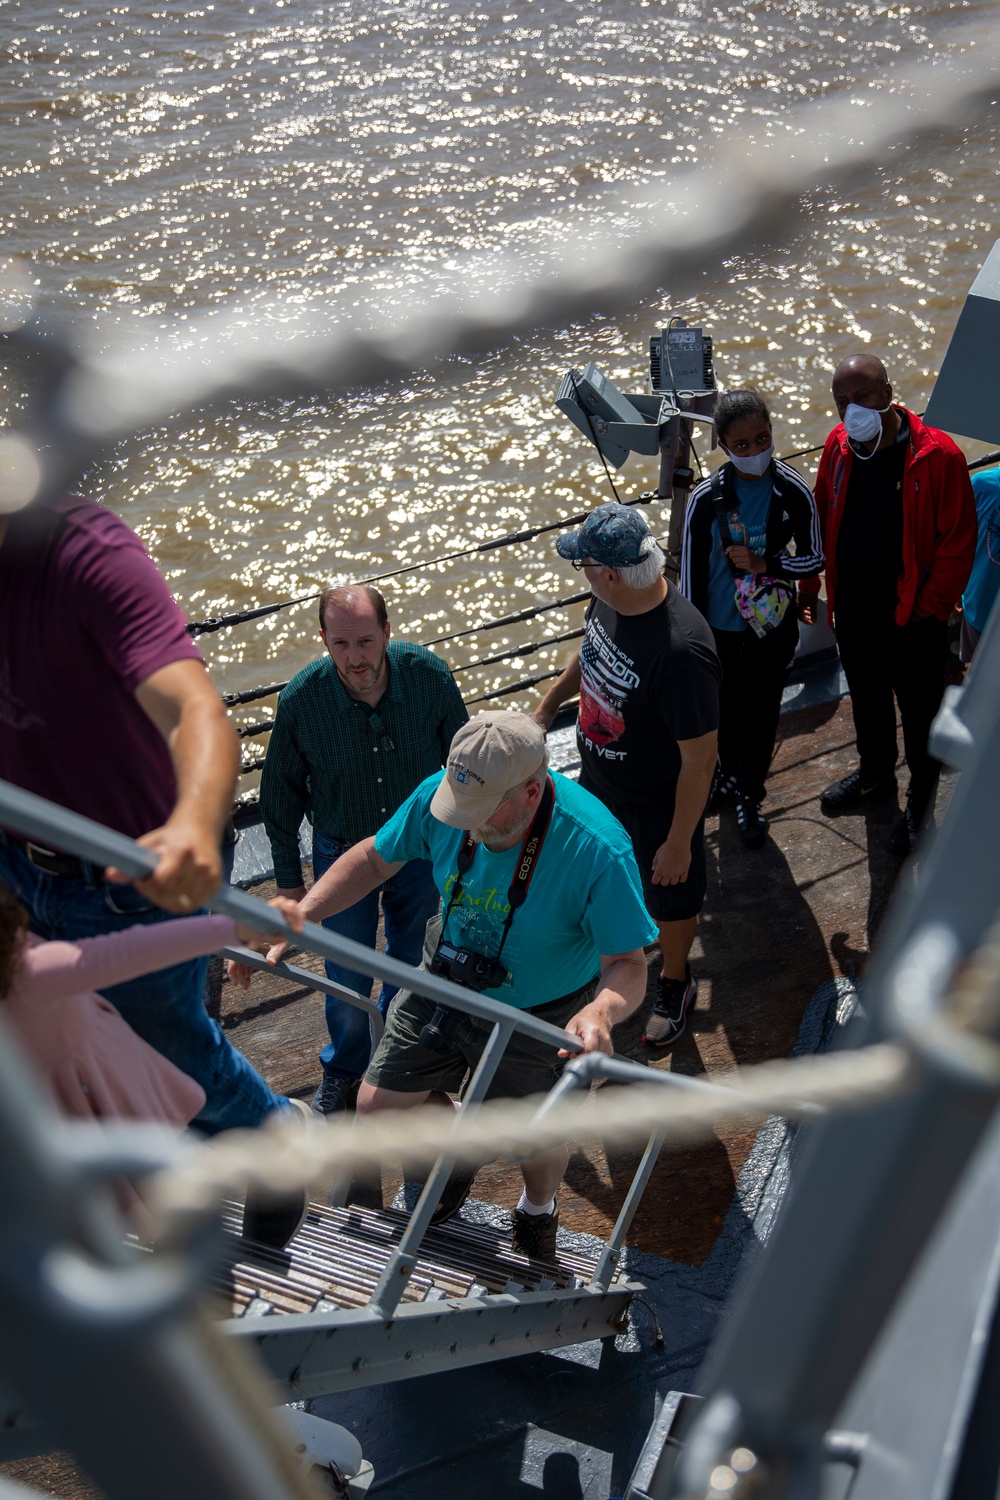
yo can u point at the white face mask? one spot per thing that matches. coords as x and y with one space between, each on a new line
864 423
754 467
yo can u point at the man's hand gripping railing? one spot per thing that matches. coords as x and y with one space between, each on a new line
68 831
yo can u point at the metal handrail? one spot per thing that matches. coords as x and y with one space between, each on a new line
56 827
46 822
580 1073
320 982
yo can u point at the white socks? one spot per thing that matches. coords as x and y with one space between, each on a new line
527 1207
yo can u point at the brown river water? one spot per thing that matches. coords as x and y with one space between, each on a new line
159 163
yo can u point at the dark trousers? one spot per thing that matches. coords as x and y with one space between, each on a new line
883 661
754 673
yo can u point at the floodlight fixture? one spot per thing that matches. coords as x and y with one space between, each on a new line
618 424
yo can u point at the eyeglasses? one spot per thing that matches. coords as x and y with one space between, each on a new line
380 730
579 563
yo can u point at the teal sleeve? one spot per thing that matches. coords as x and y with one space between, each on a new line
407 833
616 919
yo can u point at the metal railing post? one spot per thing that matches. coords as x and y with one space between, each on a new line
393 1280
318 982
607 1265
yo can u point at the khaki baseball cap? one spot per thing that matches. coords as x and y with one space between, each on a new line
489 757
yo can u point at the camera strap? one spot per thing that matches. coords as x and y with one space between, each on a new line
524 869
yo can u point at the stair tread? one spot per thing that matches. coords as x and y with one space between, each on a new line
336 1258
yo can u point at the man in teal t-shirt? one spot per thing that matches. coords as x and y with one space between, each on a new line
984 580
572 950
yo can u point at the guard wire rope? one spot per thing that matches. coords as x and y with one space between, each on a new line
295 1153
746 195
254 694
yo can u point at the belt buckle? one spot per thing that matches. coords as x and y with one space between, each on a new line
46 860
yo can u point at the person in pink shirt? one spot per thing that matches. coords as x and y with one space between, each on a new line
92 1063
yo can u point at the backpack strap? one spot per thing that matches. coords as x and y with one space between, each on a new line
718 494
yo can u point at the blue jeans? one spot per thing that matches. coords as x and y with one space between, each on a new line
166 1008
409 900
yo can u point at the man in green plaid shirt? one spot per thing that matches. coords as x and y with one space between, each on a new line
355 733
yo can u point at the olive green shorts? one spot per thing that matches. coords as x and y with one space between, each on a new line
527 1066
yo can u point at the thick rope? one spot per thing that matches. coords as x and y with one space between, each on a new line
290 1153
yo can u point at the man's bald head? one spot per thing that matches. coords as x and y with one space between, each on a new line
355 599
863 364
861 380
355 631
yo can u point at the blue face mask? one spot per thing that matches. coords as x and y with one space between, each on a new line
755 466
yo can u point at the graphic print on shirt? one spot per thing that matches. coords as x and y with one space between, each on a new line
756 542
607 677
477 922
993 536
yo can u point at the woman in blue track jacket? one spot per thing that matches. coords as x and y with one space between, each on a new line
772 533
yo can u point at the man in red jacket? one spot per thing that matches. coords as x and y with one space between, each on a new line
899 525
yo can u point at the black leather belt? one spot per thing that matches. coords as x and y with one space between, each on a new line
51 862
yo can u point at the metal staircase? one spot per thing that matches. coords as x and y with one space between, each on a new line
469 1299
363 1297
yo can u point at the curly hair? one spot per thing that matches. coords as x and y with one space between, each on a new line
13 932
733 406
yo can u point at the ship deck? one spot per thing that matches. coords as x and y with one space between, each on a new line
780 924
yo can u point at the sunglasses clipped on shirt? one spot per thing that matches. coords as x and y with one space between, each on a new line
381 731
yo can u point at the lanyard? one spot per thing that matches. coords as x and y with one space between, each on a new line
523 870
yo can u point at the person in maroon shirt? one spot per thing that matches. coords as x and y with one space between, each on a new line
107 709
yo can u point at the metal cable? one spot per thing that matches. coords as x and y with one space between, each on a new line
252 694
489 661
263 726
522 614
513 687
593 436
510 539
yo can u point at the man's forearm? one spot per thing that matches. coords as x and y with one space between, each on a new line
620 992
355 874
206 756
566 686
285 852
622 987
694 783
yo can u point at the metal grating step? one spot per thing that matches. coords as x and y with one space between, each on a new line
337 1257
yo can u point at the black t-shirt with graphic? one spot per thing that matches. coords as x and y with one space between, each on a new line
647 681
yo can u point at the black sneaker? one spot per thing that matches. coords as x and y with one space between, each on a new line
723 788
903 837
668 1017
273 1218
334 1095
852 792
272 1221
751 821
534 1235
456 1191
